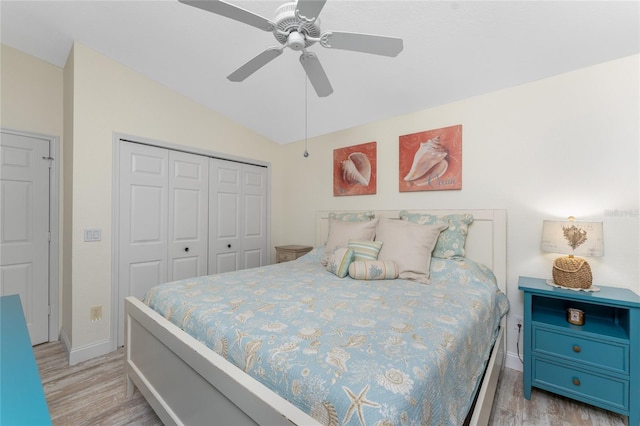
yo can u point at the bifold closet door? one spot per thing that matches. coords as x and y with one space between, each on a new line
188 215
163 219
237 216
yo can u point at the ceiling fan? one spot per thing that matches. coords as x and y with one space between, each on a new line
297 26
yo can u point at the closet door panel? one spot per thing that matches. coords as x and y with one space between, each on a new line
188 215
142 254
254 235
224 215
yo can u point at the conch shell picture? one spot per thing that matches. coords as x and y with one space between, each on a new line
431 160
354 170
429 163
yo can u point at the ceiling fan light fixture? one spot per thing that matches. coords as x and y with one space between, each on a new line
296 41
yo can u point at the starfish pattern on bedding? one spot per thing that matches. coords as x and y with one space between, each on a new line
356 404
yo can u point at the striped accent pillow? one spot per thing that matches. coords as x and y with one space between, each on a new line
373 270
339 262
365 250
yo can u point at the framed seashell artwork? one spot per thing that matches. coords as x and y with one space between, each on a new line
354 170
431 160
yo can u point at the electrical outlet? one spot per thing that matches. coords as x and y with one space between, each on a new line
96 313
517 323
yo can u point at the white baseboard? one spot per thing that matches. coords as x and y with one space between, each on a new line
512 361
66 345
86 352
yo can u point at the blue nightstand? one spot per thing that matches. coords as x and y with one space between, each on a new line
597 363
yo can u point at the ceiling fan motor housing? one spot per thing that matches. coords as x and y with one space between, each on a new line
289 31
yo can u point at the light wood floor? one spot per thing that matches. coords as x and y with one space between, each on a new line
93 393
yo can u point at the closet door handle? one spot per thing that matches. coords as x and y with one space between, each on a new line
186 249
228 245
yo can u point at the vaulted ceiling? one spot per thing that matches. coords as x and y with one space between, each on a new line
452 50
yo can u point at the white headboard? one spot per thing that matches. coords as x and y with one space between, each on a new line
486 242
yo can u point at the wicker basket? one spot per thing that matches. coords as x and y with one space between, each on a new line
572 272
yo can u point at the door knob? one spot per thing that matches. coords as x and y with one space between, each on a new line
186 249
228 245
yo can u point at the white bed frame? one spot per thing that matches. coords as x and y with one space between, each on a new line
187 383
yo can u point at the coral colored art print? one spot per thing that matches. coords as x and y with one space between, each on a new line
431 160
354 170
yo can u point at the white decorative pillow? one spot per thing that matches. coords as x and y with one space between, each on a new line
339 262
409 245
373 270
365 250
341 232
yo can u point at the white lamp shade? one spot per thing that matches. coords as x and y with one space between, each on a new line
554 241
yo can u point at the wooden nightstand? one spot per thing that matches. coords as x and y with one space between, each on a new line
292 252
597 363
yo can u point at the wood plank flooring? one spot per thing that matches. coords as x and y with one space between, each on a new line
93 393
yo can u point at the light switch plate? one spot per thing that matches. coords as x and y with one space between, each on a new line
91 235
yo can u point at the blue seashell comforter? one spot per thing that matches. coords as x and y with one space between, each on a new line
346 351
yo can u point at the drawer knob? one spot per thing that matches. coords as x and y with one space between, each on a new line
576 381
576 348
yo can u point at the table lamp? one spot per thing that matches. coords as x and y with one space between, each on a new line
572 238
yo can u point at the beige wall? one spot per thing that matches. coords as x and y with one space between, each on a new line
559 146
31 93
32 101
108 98
566 145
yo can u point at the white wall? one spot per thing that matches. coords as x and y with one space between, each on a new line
566 145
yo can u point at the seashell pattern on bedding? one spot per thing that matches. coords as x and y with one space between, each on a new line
356 169
348 352
429 163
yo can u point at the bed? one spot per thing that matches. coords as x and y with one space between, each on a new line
292 337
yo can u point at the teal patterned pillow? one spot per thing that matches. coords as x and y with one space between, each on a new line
451 241
353 216
365 250
339 261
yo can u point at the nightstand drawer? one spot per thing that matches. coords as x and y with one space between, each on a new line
286 256
601 354
291 252
581 385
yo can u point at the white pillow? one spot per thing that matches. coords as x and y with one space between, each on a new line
409 245
341 232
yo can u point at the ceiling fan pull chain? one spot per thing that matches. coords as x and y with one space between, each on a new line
306 84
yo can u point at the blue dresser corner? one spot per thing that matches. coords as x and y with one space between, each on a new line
22 400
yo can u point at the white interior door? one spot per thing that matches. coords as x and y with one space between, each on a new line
224 215
24 228
188 215
143 205
254 213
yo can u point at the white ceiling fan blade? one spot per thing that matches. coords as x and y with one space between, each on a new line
367 43
233 12
310 9
255 64
316 74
